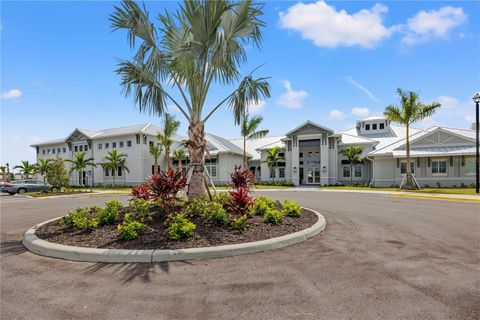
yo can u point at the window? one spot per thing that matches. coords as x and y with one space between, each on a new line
137 136
144 139
48 151
309 143
114 144
374 126
382 126
301 163
301 155
346 171
211 165
85 148
58 150
439 167
310 154
121 144
150 143
107 172
129 143
272 172
119 172
358 171
43 151
107 145
64 150
470 166
403 167
100 146
281 172
80 148
53 150
367 127
76 148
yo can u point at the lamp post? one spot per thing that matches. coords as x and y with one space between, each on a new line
476 99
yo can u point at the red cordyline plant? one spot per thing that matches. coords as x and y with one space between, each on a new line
141 192
239 202
165 186
242 178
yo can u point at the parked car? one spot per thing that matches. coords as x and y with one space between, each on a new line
23 186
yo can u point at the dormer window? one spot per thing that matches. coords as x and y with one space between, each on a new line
367 127
374 126
382 126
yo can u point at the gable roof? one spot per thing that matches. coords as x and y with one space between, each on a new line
347 139
309 123
254 145
224 145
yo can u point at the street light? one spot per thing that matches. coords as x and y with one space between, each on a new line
476 99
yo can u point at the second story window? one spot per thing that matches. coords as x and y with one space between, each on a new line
374 126
114 144
129 143
43 151
81 148
382 126
107 145
64 150
121 144
100 146
53 150
367 127
76 148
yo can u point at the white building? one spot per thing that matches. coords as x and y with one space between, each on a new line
440 156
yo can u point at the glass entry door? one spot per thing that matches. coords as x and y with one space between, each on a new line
313 175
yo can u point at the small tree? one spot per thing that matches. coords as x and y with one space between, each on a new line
179 155
26 169
249 132
170 127
57 174
273 159
352 153
115 161
155 151
42 167
80 163
3 170
410 111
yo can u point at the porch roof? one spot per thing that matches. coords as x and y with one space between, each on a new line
436 151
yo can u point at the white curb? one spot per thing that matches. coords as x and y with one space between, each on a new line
49 249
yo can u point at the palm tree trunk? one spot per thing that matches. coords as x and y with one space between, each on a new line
351 174
244 152
196 148
113 175
180 165
409 183
167 156
155 166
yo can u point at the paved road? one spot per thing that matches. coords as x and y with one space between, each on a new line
380 257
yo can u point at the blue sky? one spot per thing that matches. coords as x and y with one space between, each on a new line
331 63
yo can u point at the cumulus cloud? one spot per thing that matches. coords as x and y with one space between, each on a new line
362 88
448 102
11 94
292 99
327 27
469 118
360 112
438 24
336 115
256 107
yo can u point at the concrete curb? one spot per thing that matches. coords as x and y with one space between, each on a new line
49 249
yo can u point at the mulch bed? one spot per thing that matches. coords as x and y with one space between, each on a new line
155 236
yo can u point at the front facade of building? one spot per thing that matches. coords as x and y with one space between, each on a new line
440 156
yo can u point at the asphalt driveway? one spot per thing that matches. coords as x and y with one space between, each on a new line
380 257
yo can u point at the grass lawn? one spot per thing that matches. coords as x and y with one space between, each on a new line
259 187
423 190
51 194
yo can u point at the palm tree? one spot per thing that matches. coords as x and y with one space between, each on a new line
115 161
80 163
410 111
179 155
249 132
352 153
42 167
8 171
3 170
202 44
26 168
155 152
273 159
170 127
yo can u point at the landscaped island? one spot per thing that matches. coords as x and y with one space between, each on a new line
157 218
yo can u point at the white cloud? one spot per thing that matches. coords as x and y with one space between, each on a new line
255 108
448 102
362 88
35 139
427 25
327 27
292 99
360 112
470 118
11 94
336 115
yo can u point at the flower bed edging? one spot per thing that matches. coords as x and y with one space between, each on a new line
49 249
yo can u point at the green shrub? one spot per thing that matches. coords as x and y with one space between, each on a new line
130 227
439 185
262 204
80 219
426 186
291 209
142 207
95 210
239 223
197 208
273 216
110 213
222 197
180 227
216 213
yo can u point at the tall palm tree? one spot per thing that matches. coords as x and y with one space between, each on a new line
155 152
410 111
202 44
3 170
170 127
80 163
42 167
115 161
273 159
179 155
352 153
26 168
249 132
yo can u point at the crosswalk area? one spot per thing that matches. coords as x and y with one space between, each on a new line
5 198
